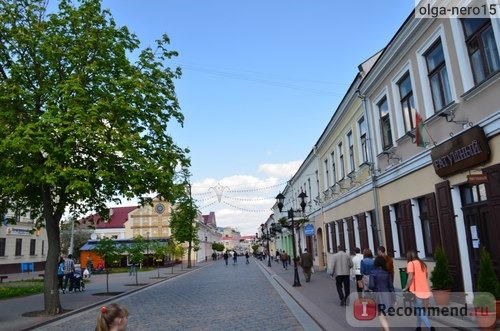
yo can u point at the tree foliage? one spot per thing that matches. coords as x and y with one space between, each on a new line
182 222
218 247
80 123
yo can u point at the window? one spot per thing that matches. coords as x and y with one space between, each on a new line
350 141
438 76
341 161
327 179
362 138
19 245
407 102
482 47
43 247
385 124
32 246
2 246
334 172
405 228
426 229
473 194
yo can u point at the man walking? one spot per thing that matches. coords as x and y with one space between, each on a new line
306 262
341 269
69 271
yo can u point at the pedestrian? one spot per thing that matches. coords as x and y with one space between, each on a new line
60 274
278 256
90 266
214 256
113 317
356 267
284 259
341 269
133 269
226 257
247 256
381 284
306 261
69 272
389 262
366 266
418 284
235 257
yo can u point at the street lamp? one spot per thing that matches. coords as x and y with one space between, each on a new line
264 227
280 198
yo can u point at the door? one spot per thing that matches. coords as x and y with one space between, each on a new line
476 225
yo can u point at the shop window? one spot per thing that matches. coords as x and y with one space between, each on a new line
426 229
473 194
482 48
405 227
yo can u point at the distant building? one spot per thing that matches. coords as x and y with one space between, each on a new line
22 249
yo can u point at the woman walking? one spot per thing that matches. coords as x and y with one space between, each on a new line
418 284
381 284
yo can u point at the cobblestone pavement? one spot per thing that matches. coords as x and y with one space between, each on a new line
215 297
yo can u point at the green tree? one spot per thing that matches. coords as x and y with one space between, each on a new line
182 221
218 247
80 123
110 252
159 251
136 253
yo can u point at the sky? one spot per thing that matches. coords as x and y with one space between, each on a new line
261 80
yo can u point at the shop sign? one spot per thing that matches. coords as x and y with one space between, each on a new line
309 230
477 179
461 152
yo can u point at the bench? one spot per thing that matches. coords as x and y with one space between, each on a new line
2 278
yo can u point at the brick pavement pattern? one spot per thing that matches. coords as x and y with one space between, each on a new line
215 297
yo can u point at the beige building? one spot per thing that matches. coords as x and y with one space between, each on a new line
410 159
22 248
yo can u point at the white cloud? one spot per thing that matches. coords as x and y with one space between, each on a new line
280 170
243 202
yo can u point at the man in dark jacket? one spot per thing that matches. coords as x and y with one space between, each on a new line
306 261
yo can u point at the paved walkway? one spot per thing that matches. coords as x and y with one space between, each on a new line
210 296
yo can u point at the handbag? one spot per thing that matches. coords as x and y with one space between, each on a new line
361 284
409 296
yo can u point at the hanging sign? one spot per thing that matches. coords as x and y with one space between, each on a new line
309 230
462 152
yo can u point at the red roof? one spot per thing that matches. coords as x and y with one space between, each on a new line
116 220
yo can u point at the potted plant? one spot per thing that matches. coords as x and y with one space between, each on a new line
488 291
441 278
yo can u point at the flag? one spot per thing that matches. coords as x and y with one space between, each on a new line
419 127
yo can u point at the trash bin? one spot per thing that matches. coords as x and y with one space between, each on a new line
404 276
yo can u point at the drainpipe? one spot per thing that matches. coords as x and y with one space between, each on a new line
372 165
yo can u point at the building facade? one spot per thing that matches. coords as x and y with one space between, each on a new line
410 158
22 248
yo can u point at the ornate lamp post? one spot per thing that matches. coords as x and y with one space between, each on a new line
266 234
280 198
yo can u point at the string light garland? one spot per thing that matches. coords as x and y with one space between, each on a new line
220 194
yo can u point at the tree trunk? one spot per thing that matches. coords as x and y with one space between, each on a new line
52 302
189 254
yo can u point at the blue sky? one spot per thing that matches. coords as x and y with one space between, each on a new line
261 79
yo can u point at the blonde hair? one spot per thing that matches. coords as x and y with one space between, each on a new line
108 314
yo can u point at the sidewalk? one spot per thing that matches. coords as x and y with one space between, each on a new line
320 300
12 310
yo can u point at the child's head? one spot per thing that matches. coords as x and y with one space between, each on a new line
113 317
